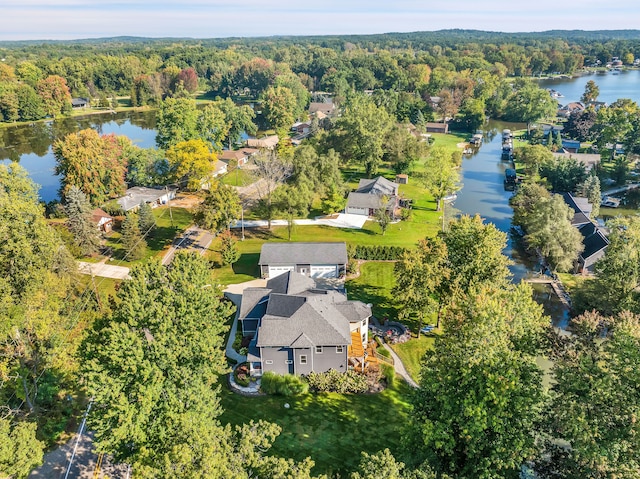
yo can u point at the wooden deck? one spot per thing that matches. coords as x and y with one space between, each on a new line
356 350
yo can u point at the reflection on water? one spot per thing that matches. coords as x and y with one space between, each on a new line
544 295
483 193
30 144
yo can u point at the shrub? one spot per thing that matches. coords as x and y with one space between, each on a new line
241 375
389 374
283 385
377 252
334 381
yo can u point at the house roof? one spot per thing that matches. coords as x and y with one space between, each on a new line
306 318
252 305
581 207
364 200
326 108
227 155
139 194
290 283
378 186
266 142
589 160
220 166
79 101
98 214
594 240
303 253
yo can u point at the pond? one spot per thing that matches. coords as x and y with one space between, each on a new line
30 144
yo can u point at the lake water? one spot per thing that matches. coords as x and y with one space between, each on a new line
612 87
30 145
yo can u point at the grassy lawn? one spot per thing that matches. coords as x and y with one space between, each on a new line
330 428
412 351
168 225
374 286
238 177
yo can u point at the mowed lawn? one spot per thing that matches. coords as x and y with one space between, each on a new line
332 429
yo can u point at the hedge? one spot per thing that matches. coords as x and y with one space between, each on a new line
334 381
376 252
283 385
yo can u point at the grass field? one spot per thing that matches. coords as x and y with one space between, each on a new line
412 351
330 428
168 225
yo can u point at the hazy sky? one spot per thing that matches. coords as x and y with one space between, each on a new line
68 19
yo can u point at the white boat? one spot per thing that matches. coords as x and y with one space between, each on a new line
450 198
610 202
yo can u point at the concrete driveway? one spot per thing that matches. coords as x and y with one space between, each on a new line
104 270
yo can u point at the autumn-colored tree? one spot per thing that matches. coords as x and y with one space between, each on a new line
189 79
191 163
55 95
95 164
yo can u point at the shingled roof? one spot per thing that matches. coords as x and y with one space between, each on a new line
307 318
303 253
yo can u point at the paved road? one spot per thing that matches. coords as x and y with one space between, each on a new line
193 238
56 463
337 221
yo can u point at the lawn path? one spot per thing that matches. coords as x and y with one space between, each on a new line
399 367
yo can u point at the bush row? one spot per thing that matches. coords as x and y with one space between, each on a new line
334 381
376 252
287 385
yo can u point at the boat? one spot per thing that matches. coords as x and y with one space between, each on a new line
610 202
476 139
450 198
555 93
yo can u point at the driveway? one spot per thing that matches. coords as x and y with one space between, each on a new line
341 220
194 238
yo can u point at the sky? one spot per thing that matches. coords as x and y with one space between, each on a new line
76 19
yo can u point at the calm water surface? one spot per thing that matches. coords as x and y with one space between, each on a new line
30 145
612 87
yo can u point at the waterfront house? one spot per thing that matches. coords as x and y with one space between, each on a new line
370 195
140 194
296 328
316 260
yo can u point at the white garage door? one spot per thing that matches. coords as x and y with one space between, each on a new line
278 270
318 271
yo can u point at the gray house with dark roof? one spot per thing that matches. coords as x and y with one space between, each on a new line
316 260
369 197
297 329
594 239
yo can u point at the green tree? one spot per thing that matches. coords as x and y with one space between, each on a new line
361 131
292 202
474 253
382 215
176 122
440 176
30 105
591 92
152 369
228 248
37 341
279 104
80 222
212 126
618 272
595 401
480 396
20 451
533 157
420 276
563 174
271 172
529 103
133 242
190 163
146 219
238 118
590 189
549 230
220 209
472 114
529 194
382 464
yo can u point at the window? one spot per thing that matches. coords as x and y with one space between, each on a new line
318 349
269 361
288 361
339 349
303 359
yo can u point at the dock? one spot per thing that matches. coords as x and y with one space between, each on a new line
557 287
